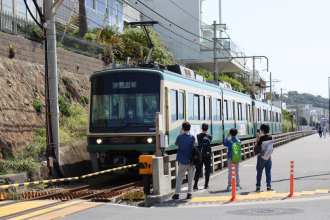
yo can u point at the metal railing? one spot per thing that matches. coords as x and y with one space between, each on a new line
29 30
19 26
219 154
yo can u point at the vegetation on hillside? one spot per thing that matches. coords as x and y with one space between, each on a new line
316 101
237 82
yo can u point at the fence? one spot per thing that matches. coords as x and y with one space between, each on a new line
18 26
164 180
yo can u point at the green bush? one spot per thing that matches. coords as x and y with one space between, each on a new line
65 80
64 107
85 99
58 88
37 105
68 95
233 82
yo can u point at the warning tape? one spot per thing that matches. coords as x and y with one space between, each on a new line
110 170
65 179
37 182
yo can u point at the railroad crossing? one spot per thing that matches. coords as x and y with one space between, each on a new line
311 188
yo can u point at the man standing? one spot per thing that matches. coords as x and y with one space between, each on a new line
320 129
264 158
204 146
186 144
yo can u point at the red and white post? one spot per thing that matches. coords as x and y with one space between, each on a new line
233 183
291 179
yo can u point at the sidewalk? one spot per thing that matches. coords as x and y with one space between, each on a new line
312 172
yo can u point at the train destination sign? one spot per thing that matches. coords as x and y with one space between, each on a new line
124 85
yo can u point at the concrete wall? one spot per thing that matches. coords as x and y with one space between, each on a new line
33 52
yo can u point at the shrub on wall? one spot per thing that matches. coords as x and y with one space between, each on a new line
37 105
64 107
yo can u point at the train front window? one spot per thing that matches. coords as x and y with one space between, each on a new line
124 102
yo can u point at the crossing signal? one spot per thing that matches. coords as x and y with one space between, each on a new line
291 116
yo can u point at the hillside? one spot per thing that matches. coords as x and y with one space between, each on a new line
316 101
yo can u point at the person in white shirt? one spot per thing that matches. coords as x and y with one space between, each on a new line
130 116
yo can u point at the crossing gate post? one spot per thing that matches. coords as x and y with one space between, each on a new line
233 183
291 179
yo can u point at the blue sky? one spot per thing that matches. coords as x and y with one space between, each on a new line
293 34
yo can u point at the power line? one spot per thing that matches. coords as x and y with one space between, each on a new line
186 12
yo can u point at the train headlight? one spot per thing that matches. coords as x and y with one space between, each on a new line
149 140
99 141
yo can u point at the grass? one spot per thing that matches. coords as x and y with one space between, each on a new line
72 128
42 186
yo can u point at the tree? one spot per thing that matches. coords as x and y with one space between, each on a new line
206 74
303 121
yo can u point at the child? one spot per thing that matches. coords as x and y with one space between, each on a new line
228 143
204 145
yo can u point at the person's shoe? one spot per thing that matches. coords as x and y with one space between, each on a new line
189 196
269 188
229 187
258 189
176 196
206 187
238 187
195 187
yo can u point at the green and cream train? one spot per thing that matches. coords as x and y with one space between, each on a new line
123 103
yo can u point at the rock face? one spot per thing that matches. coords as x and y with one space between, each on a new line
20 83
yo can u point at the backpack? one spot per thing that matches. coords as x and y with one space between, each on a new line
196 156
205 146
236 153
267 150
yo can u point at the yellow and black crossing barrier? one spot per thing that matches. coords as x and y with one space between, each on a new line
37 182
110 170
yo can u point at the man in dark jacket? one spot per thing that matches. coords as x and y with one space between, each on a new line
204 140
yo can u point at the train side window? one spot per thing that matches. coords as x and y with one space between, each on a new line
181 105
273 117
207 108
225 110
249 113
201 108
219 109
233 111
196 107
190 104
259 114
237 112
276 116
229 112
243 112
214 109
270 116
174 109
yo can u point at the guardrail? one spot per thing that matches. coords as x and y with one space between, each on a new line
163 181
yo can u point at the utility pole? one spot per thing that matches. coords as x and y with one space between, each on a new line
52 69
215 51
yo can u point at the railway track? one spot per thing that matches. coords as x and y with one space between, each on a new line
78 193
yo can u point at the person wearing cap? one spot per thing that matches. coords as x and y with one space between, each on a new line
204 144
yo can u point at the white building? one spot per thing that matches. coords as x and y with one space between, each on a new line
193 51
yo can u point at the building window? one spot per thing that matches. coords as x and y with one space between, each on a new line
101 6
117 14
8 6
21 9
89 3
190 104
181 105
174 109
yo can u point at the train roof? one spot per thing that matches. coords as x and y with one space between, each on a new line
173 77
